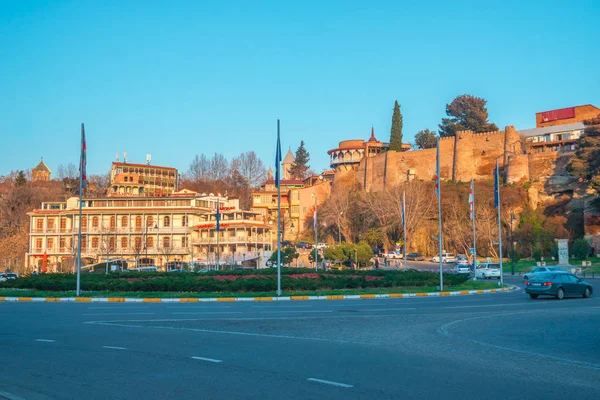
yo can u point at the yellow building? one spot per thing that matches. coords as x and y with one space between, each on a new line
146 231
41 172
141 180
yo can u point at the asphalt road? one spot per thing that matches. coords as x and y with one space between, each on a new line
495 346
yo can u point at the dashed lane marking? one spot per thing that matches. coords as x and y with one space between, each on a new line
332 383
114 347
45 340
212 360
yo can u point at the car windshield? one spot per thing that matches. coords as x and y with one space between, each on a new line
555 269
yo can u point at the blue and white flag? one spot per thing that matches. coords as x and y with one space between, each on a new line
437 168
278 158
472 199
83 159
497 186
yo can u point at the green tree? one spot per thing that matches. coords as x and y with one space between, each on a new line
311 256
425 139
466 112
396 131
585 164
288 255
20 179
300 166
580 248
350 252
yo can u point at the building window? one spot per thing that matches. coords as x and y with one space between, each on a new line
123 242
94 243
95 222
138 223
39 224
111 244
83 224
50 223
138 243
112 223
62 243
184 241
166 221
50 243
38 243
149 222
124 222
150 242
166 242
63 224
83 243
184 220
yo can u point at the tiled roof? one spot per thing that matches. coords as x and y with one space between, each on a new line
289 158
42 167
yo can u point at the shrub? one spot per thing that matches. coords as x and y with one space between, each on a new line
580 248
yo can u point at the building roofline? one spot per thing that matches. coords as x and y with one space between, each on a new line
141 165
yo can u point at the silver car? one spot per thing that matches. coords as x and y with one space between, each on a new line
539 270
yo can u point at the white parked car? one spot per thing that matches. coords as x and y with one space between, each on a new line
461 269
487 271
446 258
320 246
393 255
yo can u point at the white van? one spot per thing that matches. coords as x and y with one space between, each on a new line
446 258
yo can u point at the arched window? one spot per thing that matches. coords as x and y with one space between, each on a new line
150 222
124 221
166 242
184 220
83 224
138 243
95 222
138 223
150 242
167 221
124 243
63 224
94 243
112 223
111 244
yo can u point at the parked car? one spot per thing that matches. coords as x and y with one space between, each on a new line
487 271
8 275
462 259
393 255
446 258
538 270
557 284
320 246
287 243
304 245
461 269
414 257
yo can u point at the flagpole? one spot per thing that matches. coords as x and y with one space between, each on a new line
404 224
217 229
499 222
81 173
277 182
439 196
474 230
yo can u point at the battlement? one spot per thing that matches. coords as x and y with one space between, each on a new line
490 133
446 138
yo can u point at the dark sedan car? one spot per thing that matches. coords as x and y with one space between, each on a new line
415 257
559 285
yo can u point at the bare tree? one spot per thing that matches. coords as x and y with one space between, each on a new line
251 168
199 169
69 171
219 168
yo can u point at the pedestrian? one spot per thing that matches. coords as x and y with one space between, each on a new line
376 263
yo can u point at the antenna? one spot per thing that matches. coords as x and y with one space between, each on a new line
125 157
148 158
117 157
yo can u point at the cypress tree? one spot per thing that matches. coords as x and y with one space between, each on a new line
396 132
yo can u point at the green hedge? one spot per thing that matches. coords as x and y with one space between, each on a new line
233 281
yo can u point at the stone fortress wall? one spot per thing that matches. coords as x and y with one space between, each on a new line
463 157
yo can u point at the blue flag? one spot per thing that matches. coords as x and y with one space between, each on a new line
278 158
218 219
496 186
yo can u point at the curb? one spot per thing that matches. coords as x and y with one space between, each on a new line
247 299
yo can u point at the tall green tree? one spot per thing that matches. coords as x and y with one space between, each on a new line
425 139
299 168
466 112
20 179
585 165
396 131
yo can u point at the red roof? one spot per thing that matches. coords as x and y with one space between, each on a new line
561 113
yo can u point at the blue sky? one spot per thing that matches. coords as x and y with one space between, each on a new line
180 78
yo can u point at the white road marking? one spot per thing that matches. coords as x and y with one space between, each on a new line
114 347
344 385
116 306
206 312
125 313
45 340
207 359
10 396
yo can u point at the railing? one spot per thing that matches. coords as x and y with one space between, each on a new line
237 239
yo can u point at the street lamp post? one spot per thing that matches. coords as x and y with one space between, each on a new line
512 243
316 233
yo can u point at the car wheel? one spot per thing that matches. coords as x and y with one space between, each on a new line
533 295
560 294
483 276
525 277
587 293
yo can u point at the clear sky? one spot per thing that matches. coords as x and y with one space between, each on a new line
180 78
